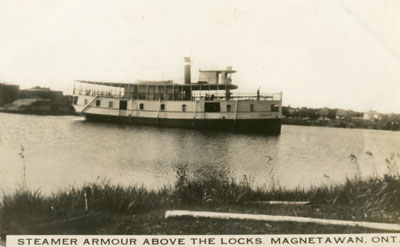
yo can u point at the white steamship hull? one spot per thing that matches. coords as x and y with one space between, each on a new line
238 119
207 104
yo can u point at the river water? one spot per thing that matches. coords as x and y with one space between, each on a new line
64 151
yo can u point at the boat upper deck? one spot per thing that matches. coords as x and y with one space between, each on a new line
166 90
160 84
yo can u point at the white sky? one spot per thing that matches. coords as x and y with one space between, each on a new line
343 54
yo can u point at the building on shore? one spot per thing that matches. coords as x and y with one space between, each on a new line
341 114
372 115
38 106
42 93
36 100
8 93
323 113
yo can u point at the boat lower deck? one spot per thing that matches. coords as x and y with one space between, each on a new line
258 126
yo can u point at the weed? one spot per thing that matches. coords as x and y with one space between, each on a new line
206 187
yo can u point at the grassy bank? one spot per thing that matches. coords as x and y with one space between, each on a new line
104 208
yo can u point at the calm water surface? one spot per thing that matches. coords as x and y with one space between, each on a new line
60 152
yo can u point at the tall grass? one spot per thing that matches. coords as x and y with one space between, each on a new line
30 207
216 187
208 187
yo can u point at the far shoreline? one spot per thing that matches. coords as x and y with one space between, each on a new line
336 123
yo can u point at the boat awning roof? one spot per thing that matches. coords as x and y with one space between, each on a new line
194 86
218 70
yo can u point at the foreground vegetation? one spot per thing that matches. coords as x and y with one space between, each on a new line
104 208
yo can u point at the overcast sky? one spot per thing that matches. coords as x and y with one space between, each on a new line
339 54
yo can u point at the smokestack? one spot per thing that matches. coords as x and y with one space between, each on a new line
187 70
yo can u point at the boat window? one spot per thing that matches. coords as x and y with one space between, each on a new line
134 91
98 102
228 108
177 93
123 104
169 93
142 95
151 92
275 108
142 91
141 106
160 92
212 107
162 107
183 108
251 107
110 104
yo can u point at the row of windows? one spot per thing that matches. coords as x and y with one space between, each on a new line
110 103
215 109
209 107
162 107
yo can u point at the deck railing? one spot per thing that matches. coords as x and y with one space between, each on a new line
178 96
240 96
181 97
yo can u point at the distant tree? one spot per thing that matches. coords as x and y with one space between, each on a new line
285 111
332 113
41 88
311 113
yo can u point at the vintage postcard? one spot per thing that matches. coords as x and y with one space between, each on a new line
200 123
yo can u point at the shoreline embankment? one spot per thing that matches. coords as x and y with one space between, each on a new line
104 208
342 123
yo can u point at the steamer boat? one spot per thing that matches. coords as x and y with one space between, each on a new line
209 104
